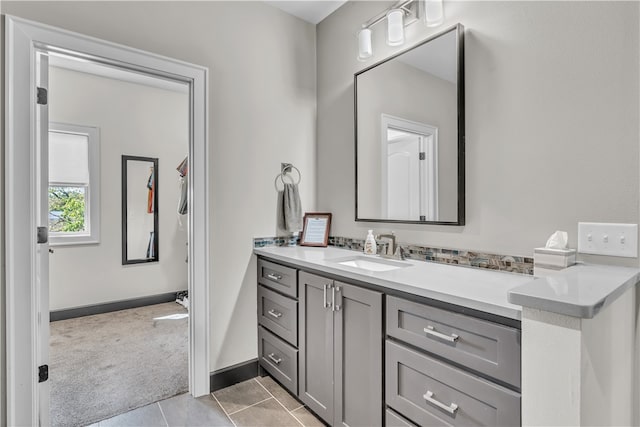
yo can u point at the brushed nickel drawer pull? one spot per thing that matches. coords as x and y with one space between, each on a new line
275 314
452 409
429 330
274 277
273 357
324 289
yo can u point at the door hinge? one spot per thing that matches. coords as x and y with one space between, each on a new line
422 155
42 97
42 235
43 373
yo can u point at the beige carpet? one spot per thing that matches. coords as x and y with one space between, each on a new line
107 364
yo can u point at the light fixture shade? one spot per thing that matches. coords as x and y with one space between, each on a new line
434 13
395 27
364 44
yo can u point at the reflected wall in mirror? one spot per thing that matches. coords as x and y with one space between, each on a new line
139 210
410 134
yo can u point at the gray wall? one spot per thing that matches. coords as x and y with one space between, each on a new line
552 116
262 111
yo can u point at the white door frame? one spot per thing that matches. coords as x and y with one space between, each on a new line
22 38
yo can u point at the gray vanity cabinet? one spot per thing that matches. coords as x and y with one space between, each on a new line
278 322
433 361
340 351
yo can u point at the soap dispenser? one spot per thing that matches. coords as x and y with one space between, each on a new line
370 246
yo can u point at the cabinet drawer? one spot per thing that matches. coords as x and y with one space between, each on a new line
279 359
278 314
278 277
431 393
480 345
391 419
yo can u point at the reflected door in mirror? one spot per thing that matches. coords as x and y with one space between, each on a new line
409 175
139 209
410 135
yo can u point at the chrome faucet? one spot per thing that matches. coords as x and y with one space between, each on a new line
394 250
391 246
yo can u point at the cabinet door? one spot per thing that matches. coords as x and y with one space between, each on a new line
358 356
315 344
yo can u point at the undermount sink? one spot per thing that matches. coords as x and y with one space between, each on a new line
370 263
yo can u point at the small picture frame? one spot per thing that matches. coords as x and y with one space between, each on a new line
315 231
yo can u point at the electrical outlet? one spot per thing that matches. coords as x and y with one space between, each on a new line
608 239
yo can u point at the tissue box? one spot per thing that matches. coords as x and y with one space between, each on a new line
559 258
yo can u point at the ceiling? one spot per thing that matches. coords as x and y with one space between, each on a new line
312 11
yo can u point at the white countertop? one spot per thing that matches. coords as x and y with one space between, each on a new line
478 289
579 291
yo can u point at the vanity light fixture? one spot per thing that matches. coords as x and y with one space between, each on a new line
395 27
400 15
433 12
364 44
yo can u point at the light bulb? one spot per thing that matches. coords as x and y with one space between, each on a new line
434 13
395 27
364 44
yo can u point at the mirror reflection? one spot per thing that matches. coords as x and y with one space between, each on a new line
139 209
409 135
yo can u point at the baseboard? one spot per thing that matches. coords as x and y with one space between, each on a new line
108 307
233 374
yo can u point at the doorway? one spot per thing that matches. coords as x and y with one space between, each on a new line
116 141
27 300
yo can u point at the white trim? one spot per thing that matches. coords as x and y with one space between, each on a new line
21 329
92 217
22 38
41 195
431 172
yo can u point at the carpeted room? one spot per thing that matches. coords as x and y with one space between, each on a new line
107 364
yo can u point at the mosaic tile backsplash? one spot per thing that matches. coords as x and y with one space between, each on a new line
508 263
263 242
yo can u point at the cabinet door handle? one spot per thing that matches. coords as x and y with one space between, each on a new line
273 357
324 288
452 409
336 307
274 276
275 314
429 330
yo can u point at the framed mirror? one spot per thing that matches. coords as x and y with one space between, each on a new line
139 210
409 134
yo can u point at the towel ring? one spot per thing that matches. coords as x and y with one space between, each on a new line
285 173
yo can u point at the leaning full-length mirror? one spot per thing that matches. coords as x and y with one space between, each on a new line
410 134
139 209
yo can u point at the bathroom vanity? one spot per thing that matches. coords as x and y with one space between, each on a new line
369 341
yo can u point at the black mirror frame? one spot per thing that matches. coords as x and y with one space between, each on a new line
459 29
156 258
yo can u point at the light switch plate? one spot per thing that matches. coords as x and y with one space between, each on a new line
608 239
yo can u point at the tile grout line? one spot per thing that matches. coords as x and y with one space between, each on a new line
162 412
276 399
223 410
250 406
296 418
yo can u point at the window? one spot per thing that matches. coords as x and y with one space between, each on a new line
74 184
